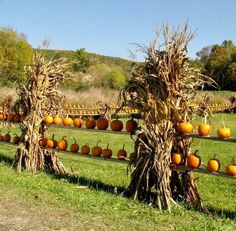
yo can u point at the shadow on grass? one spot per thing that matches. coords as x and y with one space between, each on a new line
93 184
116 190
6 159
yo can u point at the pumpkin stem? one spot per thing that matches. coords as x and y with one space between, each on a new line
53 135
123 147
215 156
223 122
98 142
233 160
75 140
63 137
107 145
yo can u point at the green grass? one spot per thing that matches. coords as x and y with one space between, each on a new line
91 199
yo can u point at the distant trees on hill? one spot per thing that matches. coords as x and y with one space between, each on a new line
15 53
219 62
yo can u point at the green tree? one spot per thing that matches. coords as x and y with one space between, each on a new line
116 78
81 61
15 54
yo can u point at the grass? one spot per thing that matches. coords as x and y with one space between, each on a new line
90 198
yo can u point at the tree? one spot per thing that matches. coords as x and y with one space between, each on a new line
81 61
15 54
116 78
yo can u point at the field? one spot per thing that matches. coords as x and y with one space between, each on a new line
91 197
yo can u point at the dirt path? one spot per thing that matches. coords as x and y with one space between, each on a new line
15 216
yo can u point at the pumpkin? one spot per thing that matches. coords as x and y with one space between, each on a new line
51 143
131 125
7 137
48 119
67 121
85 149
16 139
223 133
62 144
74 147
78 122
17 117
213 165
107 152
10 117
177 158
1 116
43 142
185 127
231 168
193 160
102 124
121 154
96 150
57 120
116 125
204 129
90 123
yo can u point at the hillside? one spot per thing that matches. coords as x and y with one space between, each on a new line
95 58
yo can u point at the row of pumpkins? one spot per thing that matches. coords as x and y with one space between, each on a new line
96 150
204 129
193 159
90 123
194 162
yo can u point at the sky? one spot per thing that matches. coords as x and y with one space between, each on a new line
113 27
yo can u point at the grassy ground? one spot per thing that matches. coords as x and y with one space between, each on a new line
91 200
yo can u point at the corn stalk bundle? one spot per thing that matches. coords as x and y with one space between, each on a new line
163 89
38 98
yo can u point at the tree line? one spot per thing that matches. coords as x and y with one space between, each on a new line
217 61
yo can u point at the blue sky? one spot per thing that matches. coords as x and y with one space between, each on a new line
111 27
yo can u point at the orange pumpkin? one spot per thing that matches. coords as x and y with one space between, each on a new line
57 120
62 144
67 121
1 116
7 137
116 125
122 154
102 124
96 150
78 122
51 143
231 168
43 142
90 123
16 139
10 117
131 125
213 165
74 147
193 160
223 133
85 149
177 158
107 152
48 119
204 129
185 127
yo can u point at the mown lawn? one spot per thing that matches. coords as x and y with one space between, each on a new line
91 200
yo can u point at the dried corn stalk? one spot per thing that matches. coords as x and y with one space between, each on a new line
162 89
38 98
